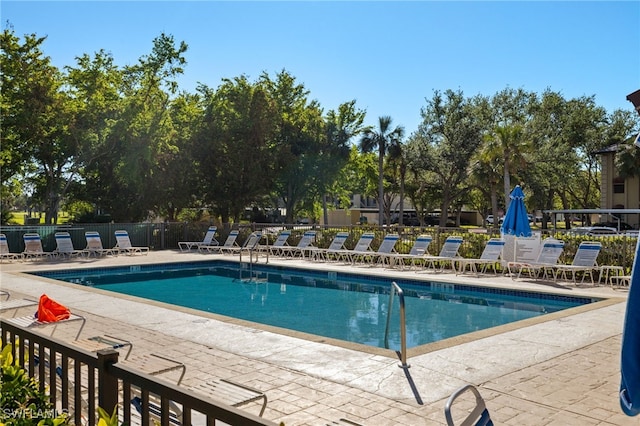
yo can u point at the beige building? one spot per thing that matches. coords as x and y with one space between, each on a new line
617 192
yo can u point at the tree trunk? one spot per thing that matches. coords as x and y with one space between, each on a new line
494 206
381 187
288 203
507 185
325 210
402 175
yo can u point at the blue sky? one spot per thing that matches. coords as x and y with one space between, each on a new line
388 56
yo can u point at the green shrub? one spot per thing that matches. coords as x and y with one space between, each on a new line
22 401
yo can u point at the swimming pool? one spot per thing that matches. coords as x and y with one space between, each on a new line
337 305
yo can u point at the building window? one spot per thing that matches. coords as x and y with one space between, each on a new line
618 186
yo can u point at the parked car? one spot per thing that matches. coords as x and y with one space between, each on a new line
412 221
593 231
451 221
623 225
489 220
432 220
409 219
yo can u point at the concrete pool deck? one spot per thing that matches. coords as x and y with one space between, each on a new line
558 370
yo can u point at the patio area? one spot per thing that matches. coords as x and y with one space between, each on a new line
561 369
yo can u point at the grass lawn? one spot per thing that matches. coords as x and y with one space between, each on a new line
18 218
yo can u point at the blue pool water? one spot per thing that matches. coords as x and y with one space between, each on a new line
350 307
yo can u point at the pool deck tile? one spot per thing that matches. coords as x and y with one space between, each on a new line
558 371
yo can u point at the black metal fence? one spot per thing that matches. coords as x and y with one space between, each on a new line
616 250
165 236
79 381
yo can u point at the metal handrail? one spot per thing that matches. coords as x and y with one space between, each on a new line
395 288
251 251
250 264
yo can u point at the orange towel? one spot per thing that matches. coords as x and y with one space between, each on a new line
51 311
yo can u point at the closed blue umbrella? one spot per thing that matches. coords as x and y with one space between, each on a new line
516 221
630 361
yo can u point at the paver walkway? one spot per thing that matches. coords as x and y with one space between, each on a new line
564 371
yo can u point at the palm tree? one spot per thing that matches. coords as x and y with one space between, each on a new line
397 159
381 138
509 144
485 173
628 159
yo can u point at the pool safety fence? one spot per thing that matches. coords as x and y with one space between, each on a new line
167 235
617 250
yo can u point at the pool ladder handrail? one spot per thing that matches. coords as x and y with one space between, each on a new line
395 288
251 251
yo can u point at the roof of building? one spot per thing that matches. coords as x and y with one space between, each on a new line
595 211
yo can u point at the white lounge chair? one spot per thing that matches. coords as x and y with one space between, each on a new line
298 250
228 244
30 321
5 253
278 245
381 256
544 264
94 245
231 393
64 246
337 244
123 244
363 246
418 252
105 341
208 240
620 280
225 391
33 247
448 254
585 261
250 245
489 258
16 304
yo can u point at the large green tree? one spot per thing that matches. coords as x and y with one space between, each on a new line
128 178
94 85
37 121
584 133
18 61
298 141
334 149
176 165
237 154
555 167
444 144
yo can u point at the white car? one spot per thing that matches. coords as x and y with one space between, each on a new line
489 220
594 231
